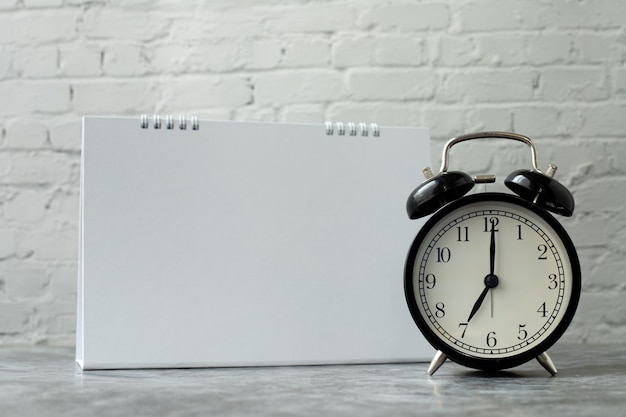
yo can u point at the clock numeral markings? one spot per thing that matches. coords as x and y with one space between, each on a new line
464 326
491 222
491 339
430 281
462 234
443 254
543 249
440 312
543 310
553 282
523 334
519 232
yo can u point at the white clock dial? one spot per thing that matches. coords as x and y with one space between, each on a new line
491 279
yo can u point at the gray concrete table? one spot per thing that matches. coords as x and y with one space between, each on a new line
44 381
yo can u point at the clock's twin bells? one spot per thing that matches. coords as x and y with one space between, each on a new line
532 185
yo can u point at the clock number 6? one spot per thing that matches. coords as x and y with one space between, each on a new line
491 339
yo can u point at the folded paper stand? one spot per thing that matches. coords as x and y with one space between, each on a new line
240 244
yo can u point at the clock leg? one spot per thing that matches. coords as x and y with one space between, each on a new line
547 363
437 361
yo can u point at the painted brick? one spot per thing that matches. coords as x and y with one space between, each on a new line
264 54
399 51
537 121
544 49
124 59
22 134
21 97
66 136
36 62
353 50
49 246
392 84
563 84
39 168
389 113
311 18
606 119
114 97
6 63
14 317
600 48
103 23
483 86
299 87
620 81
38 27
7 243
502 15
406 17
306 52
25 283
303 114
27 206
210 57
63 282
502 50
80 60
591 14
207 92
455 51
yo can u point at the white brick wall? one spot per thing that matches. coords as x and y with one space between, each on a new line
551 70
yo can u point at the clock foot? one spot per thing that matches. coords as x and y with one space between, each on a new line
437 361
547 363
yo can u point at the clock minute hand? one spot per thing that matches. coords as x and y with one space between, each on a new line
492 251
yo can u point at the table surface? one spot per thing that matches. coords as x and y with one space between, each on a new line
44 381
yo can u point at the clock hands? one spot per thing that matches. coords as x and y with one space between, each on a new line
491 280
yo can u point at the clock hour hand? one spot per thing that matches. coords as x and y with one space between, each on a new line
478 302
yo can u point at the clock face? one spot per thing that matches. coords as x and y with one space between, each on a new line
492 280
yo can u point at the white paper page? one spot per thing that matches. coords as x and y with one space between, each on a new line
246 244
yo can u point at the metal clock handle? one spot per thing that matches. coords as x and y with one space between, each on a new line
483 135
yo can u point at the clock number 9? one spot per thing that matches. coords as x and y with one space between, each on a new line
430 281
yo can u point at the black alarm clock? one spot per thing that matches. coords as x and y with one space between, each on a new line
492 279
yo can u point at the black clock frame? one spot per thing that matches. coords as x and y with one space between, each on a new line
516 359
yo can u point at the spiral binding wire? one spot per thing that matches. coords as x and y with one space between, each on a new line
349 128
352 129
156 122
